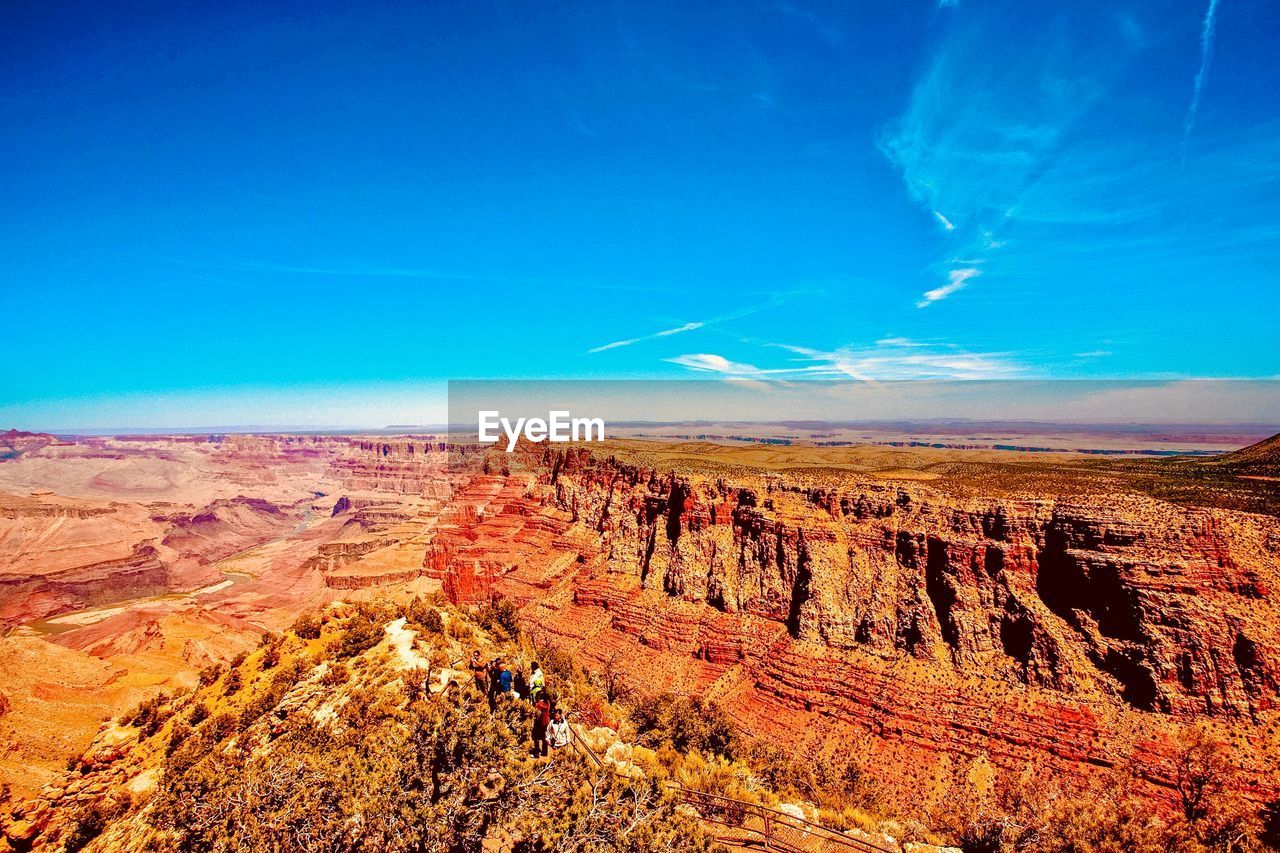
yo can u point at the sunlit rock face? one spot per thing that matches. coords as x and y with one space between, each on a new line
923 628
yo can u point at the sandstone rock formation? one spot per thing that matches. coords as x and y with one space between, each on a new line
919 628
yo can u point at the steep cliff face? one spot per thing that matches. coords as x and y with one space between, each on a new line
921 627
1166 609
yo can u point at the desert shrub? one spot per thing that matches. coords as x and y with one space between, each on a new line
88 822
1034 811
177 736
141 712
560 666
429 775
199 713
684 724
210 674
362 632
307 626
270 656
415 684
220 727
233 683
269 695
591 711
149 715
432 622
461 631
500 616
611 676
1270 818
336 673
782 770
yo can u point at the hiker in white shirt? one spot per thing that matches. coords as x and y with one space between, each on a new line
558 734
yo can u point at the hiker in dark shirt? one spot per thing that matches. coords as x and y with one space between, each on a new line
541 719
479 671
519 685
495 683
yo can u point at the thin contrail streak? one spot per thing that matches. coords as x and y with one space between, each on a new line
1206 55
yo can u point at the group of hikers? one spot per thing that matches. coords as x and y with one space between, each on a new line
496 679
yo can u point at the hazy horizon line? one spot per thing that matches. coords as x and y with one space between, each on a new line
406 429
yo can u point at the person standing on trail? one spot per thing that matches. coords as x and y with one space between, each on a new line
541 721
504 680
558 733
495 683
479 671
519 686
537 682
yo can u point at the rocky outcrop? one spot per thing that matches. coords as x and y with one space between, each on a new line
226 526
14 443
492 526
26 597
367 580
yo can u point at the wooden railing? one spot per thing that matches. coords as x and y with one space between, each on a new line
770 828
582 746
751 824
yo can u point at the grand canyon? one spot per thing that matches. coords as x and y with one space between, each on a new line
941 617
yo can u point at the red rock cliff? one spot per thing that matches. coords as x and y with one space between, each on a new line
920 630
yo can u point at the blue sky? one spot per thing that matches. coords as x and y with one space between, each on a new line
315 214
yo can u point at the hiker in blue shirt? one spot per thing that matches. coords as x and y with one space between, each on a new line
504 680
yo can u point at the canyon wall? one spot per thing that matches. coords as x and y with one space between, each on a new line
921 633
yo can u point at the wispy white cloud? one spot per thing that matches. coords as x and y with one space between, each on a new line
833 35
888 359
665 333
956 279
903 358
984 124
778 299
948 4
1094 353
712 363
1206 56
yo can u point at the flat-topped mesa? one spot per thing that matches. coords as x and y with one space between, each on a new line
396 466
